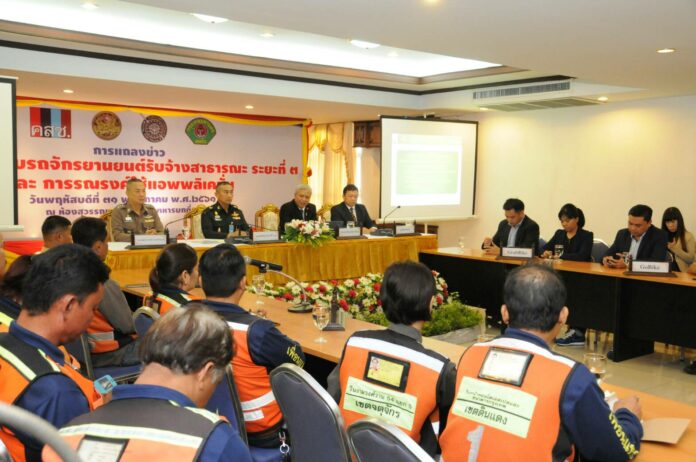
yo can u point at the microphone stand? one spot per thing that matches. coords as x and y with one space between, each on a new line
302 307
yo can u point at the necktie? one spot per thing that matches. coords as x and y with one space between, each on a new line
352 214
303 216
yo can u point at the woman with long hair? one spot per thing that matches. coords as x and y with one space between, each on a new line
174 275
576 241
680 242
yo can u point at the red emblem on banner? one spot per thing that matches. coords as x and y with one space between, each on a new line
49 123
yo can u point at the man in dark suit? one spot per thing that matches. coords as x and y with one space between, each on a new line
350 210
299 208
641 240
516 230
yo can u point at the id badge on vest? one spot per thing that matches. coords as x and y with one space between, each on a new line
93 449
506 366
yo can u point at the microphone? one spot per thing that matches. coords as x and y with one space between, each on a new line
166 227
384 220
263 265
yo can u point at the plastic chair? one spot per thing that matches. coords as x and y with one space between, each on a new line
79 348
375 441
143 318
312 416
35 427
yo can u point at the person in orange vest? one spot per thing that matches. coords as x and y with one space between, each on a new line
62 289
260 345
174 274
160 416
11 291
388 373
516 399
112 336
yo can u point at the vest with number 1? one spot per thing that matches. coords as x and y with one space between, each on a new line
528 428
408 406
21 365
150 430
259 406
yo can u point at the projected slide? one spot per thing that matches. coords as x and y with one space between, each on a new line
428 169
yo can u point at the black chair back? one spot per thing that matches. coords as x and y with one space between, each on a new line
313 419
375 441
225 402
599 248
143 318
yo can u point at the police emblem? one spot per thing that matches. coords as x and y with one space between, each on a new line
200 130
106 125
154 128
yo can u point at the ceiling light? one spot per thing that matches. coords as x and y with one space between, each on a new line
664 51
248 106
268 35
67 90
393 54
483 108
603 99
90 6
210 19
364 44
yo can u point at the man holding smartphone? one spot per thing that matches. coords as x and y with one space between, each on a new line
640 240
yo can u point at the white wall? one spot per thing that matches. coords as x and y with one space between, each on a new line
604 159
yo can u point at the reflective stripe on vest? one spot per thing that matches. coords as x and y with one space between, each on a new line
161 431
101 334
531 425
261 411
21 365
5 320
162 304
409 408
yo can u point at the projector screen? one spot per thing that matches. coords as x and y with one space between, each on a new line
428 168
8 155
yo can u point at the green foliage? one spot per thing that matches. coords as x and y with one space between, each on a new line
376 317
451 316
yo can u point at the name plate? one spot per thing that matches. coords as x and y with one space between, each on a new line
661 267
349 232
405 229
150 239
265 236
517 252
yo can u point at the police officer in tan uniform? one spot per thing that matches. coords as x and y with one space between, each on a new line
216 219
135 216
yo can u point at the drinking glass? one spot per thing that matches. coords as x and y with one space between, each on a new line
597 364
185 233
320 316
259 283
462 242
557 251
350 224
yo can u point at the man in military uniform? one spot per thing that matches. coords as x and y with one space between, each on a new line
217 218
135 216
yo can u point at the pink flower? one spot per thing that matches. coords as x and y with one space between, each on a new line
438 299
309 289
445 293
379 302
356 281
352 293
333 282
377 286
322 289
344 304
287 296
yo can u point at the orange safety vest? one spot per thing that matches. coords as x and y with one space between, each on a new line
489 429
22 365
161 303
261 411
147 429
391 382
103 337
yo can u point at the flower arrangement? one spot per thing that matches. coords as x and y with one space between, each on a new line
314 233
358 296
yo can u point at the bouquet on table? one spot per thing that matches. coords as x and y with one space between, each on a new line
314 233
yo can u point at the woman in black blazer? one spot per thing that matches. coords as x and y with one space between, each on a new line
576 241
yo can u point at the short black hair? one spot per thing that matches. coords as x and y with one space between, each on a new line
349 187
223 183
571 211
53 224
88 230
66 269
133 179
534 296
13 280
171 262
222 269
641 210
513 204
406 293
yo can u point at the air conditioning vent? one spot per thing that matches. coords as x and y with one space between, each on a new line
542 104
521 91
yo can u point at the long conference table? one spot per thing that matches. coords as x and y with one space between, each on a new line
638 310
339 259
300 328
